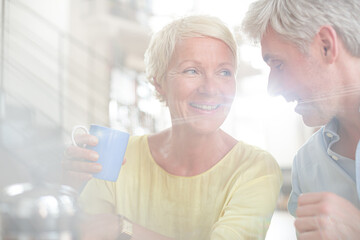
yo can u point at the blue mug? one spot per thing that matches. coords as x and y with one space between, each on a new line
111 149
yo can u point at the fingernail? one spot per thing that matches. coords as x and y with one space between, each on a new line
95 156
93 140
98 167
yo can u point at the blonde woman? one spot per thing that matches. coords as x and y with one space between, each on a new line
193 180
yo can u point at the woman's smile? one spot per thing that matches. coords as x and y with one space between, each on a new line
205 107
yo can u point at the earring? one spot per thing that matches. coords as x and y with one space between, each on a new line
325 49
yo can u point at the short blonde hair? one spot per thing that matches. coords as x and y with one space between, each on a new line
162 44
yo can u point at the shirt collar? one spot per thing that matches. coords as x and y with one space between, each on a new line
330 137
330 131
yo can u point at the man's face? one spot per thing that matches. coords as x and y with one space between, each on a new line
304 78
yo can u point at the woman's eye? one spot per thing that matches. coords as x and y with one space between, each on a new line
190 71
225 73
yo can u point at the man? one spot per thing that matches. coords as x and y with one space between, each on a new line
313 50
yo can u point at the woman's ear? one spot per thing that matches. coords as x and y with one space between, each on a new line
329 43
159 88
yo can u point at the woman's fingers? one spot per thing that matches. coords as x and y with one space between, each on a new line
74 152
86 139
77 173
80 163
81 166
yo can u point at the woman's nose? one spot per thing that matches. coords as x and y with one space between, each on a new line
209 86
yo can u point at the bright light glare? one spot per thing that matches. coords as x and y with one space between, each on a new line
165 7
229 11
256 118
265 121
252 54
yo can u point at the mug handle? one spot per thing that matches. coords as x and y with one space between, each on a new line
75 128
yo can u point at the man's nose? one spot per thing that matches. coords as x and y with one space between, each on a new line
274 86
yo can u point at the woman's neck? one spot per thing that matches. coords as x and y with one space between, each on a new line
188 153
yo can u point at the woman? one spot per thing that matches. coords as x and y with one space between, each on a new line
193 180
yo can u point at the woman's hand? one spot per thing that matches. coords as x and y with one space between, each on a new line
100 226
79 163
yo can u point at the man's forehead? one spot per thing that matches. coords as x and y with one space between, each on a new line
270 50
273 46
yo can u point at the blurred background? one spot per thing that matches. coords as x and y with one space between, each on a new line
71 62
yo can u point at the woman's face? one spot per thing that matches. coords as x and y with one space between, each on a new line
200 83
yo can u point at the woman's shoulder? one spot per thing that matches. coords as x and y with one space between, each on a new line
248 156
249 150
242 150
137 144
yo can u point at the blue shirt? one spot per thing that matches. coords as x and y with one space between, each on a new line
316 168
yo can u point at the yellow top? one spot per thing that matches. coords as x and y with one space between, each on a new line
235 199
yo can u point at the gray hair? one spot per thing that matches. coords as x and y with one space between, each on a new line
162 44
298 21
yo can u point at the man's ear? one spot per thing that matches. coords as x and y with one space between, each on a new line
329 43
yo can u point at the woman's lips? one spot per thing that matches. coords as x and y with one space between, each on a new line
205 107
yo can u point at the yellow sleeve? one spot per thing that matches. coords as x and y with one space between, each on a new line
251 204
97 197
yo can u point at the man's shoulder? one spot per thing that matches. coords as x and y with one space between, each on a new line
314 143
313 150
